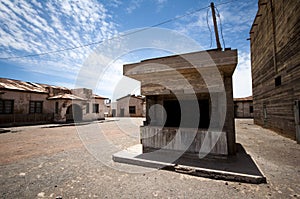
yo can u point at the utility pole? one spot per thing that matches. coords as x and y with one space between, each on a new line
215 26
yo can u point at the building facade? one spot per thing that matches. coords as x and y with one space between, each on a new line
130 106
243 107
275 63
24 103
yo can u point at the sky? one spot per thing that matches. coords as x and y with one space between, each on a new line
77 43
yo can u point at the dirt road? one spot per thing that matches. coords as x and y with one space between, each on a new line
43 162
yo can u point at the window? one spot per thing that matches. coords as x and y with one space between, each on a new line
251 109
95 108
35 107
56 107
6 106
87 108
278 81
132 109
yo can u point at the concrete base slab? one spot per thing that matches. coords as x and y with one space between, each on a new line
241 167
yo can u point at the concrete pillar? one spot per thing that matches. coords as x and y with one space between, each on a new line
229 121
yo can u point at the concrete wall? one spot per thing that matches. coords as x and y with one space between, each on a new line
91 115
204 74
186 139
275 53
21 113
125 102
83 93
22 116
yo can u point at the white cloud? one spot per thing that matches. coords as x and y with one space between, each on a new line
31 27
133 5
242 80
160 4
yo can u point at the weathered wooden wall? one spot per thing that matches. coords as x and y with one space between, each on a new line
275 52
242 109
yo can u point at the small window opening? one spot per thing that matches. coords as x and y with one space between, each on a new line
251 109
278 81
132 109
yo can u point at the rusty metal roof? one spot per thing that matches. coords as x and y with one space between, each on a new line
11 84
129 95
66 97
99 97
249 98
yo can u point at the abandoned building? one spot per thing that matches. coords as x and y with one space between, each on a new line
275 53
33 103
174 87
243 107
129 106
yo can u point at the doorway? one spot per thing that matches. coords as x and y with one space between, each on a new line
74 113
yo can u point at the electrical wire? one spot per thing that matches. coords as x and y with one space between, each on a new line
115 37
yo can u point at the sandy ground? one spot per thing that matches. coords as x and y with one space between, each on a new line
39 162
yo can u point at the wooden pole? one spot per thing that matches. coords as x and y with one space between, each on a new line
215 26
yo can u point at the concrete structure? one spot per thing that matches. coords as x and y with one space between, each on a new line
275 53
243 107
32 103
130 106
174 86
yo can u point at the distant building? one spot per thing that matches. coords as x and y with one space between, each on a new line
243 107
33 103
130 106
275 62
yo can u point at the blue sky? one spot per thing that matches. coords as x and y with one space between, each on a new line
34 27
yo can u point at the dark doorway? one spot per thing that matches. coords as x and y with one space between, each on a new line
74 113
113 112
187 109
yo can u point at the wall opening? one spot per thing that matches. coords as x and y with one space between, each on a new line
174 113
132 109
74 113
278 81
113 113
56 108
251 109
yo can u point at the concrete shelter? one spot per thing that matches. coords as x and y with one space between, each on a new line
189 101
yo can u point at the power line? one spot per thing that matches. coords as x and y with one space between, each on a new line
114 37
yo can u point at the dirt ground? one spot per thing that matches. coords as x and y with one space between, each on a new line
46 162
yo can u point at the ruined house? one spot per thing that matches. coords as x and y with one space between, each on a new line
275 62
189 101
243 107
33 103
130 106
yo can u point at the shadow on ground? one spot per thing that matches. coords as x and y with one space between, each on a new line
240 167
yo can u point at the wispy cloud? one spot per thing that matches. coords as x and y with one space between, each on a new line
236 21
160 4
133 4
31 27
